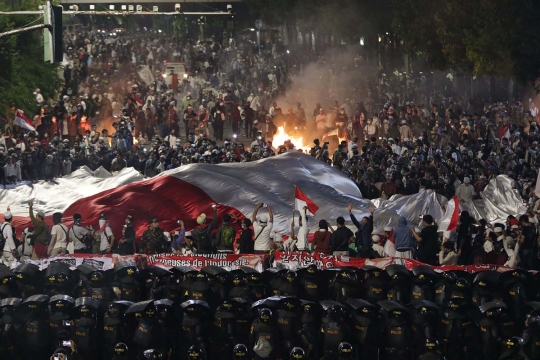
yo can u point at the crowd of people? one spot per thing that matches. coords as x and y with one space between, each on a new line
392 134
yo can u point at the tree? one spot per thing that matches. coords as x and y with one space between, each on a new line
22 67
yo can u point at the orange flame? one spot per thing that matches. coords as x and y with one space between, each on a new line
281 136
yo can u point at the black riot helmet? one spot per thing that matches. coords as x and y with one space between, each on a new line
345 350
265 315
432 344
121 349
532 320
152 354
240 352
290 277
297 353
194 352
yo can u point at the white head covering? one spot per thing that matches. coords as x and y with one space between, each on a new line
375 238
8 215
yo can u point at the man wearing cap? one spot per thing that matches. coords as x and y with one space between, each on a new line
8 233
202 234
41 233
153 239
262 227
107 236
465 191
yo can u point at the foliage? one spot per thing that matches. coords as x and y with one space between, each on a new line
22 67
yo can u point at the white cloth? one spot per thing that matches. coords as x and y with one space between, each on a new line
379 250
263 240
60 231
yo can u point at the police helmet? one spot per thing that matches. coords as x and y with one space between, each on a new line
240 352
297 353
194 352
290 276
532 319
345 350
120 349
432 344
265 315
152 354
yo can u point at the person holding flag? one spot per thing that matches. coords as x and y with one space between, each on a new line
304 206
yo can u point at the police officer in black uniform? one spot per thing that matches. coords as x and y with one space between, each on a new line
147 332
365 324
396 331
531 335
458 331
58 280
345 351
34 337
512 350
224 330
375 284
218 279
399 284
126 283
85 329
310 329
334 329
425 321
200 289
60 316
166 325
28 279
297 353
195 325
93 283
288 324
309 278
291 285
8 327
264 337
424 280
8 283
118 327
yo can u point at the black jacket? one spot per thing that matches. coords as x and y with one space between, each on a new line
340 239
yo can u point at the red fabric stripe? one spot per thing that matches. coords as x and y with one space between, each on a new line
165 197
455 215
312 207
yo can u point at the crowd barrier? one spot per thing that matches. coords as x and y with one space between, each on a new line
284 260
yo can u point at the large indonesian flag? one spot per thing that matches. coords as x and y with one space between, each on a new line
186 192
22 121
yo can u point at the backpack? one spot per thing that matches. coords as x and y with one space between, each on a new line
227 236
2 238
202 239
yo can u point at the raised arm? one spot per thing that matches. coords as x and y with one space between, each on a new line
353 218
270 214
254 216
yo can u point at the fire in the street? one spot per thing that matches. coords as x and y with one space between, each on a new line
281 136
135 141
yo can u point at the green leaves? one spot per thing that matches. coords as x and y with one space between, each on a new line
22 68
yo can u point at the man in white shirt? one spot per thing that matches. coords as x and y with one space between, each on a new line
465 191
262 228
534 110
107 237
9 251
301 239
77 233
59 237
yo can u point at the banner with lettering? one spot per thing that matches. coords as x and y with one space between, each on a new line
106 262
226 261
100 262
298 260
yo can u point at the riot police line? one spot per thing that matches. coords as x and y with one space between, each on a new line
338 313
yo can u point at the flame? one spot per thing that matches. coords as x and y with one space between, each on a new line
135 141
83 118
281 136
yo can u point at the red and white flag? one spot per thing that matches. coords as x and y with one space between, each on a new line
22 121
390 245
301 200
450 219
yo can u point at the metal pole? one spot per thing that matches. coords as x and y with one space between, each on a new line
117 13
26 29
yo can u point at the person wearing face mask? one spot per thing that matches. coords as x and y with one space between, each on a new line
107 236
79 236
371 129
8 233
